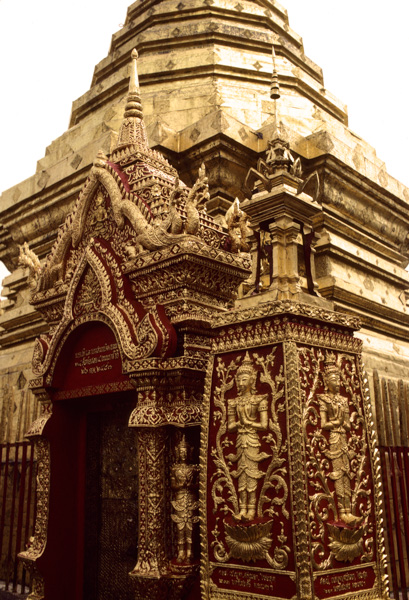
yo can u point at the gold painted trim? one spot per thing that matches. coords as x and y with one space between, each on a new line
38 544
382 576
280 307
297 460
205 567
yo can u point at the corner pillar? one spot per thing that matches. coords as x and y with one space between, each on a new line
284 233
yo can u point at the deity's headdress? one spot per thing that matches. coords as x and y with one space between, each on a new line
330 365
246 366
183 444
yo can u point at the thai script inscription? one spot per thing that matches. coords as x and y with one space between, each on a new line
246 580
96 360
345 582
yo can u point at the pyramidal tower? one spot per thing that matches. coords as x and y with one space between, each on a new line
189 267
205 70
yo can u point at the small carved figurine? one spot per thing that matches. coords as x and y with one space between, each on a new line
247 415
100 214
27 258
236 220
185 503
335 418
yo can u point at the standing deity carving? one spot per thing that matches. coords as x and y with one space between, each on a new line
185 504
247 414
248 487
335 418
341 502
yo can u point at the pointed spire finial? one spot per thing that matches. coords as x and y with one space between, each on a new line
132 133
275 86
133 106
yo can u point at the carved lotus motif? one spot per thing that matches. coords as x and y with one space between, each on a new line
249 542
346 544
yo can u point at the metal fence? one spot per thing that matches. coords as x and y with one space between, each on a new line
392 415
17 512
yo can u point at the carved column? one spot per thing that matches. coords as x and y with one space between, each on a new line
286 280
310 239
297 470
42 449
152 561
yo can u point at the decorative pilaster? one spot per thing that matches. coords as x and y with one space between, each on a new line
297 470
151 460
42 449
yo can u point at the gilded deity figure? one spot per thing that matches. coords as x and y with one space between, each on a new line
100 214
185 503
247 415
335 418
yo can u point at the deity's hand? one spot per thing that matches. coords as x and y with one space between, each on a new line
241 413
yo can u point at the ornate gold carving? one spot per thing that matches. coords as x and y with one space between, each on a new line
265 332
267 309
298 477
28 258
38 355
337 451
249 543
185 503
236 220
89 295
96 293
198 195
38 542
195 246
152 562
382 582
37 588
37 427
249 415
162 400
335 418
346 544
246 415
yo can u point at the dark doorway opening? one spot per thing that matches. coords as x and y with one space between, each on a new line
111 501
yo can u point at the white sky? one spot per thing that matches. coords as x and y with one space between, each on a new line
48 50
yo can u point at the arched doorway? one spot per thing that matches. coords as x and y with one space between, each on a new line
93 498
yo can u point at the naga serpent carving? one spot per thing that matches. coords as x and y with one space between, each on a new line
165 228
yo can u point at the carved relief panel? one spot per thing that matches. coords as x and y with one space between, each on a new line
341 498
248 481
289 487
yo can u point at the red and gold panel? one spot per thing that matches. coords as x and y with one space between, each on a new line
247 487
289 488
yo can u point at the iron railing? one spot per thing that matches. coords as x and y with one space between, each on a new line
392 415
17 512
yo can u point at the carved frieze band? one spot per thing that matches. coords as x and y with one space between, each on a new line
267 331
268 309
